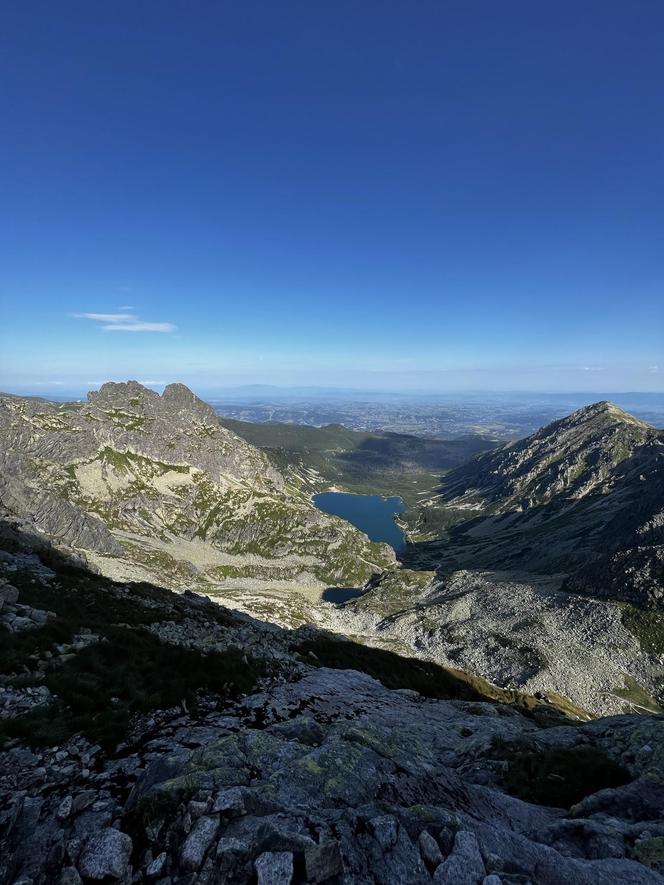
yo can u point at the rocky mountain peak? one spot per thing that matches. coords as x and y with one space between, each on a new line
603 410
114 391
180 397
177 399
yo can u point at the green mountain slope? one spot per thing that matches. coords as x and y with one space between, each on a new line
357 461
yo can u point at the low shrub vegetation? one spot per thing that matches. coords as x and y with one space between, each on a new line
556 776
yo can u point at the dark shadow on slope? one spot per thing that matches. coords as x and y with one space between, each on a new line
99 686
592 538
425 677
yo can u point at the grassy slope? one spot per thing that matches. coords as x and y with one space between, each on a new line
369 463
100 687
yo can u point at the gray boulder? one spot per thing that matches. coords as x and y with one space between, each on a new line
430 850
464 866
323 862
274 868
105 855
198 841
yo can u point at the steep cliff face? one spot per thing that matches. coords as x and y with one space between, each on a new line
154 486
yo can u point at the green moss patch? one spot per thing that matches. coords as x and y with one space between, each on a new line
647 625
99 689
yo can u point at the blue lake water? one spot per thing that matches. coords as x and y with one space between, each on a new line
371 514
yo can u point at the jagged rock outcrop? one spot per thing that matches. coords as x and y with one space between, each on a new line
152 486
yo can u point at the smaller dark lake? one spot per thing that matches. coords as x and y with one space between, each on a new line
371 514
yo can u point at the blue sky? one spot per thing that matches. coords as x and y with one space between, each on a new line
432 195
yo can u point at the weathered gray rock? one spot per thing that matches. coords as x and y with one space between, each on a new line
156 867
464 866
231 802
65 808
385 830
8 595
274 868
105 854
323 862
197 843
430 850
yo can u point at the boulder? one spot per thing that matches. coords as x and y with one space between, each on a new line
198 841
156 867
464 866
8 595
274 868
105 855
230 802
323 862
430 851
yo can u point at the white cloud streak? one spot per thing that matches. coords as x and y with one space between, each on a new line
125 322
139 326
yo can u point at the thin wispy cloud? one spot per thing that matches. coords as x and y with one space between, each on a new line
124 322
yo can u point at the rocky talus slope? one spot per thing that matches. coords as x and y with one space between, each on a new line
153 487
549 559
152 737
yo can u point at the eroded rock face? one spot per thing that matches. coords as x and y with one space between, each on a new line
153 487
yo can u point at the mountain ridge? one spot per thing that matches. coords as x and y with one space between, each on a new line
152 485
575 493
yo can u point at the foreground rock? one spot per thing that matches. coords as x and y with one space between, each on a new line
262 765
333 779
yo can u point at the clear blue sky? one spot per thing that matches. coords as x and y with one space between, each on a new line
443 195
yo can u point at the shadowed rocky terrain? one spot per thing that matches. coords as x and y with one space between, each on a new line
147 736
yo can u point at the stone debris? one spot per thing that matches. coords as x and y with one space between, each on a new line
17 617
274 868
